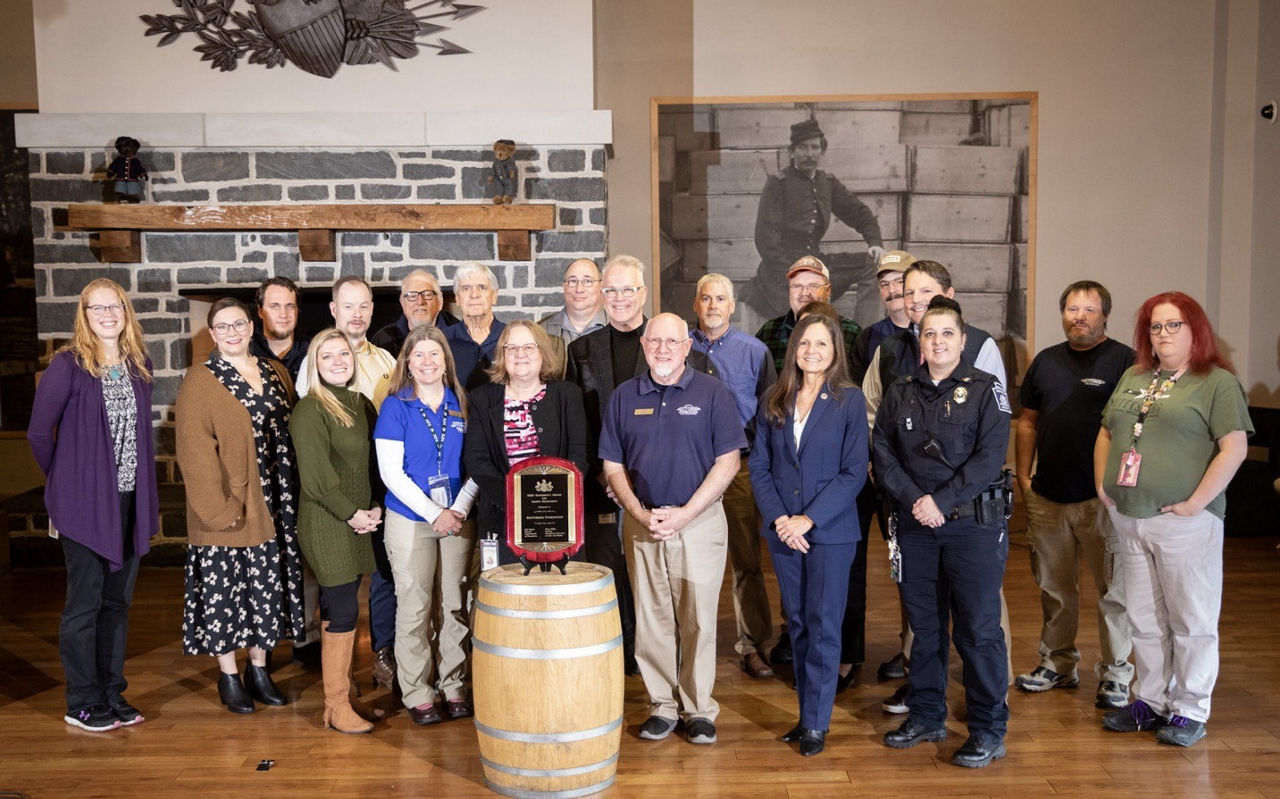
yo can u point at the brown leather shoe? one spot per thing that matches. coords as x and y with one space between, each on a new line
755 666
384 668
458 708
423 715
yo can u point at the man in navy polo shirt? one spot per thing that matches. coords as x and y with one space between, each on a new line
744 363
670 444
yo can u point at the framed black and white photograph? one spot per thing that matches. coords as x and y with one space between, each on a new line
745 186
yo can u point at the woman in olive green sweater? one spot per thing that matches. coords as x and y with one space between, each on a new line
331 429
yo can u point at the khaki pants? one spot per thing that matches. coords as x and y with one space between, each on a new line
1063 538
676 584
1173 582
425 566
750 602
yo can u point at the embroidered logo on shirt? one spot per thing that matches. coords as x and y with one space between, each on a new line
688 410
1093 382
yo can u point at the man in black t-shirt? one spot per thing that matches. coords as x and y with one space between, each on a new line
1063 394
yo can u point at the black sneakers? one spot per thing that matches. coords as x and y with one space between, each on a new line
95 718
127 713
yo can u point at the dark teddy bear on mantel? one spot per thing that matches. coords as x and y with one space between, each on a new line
504 176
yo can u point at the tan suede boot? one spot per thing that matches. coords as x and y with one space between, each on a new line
335 654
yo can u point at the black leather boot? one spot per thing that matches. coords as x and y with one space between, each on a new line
232 693
258 680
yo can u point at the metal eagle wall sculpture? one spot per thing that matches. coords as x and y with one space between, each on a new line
317 36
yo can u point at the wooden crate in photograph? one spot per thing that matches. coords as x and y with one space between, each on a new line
733 171
666 159
973 267
756 128
729 216
737 258
1008 125
939 106
964 170
859 128
987 311
878 168
888 212
1024 218
692 130
929 128
958 218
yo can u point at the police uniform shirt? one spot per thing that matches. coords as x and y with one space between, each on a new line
966 413
668 437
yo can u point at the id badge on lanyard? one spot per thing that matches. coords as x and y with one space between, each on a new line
1130 462
440 491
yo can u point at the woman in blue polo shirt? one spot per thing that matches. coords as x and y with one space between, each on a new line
419 443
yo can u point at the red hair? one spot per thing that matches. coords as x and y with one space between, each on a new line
1204 345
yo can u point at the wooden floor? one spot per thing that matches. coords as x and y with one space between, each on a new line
189 746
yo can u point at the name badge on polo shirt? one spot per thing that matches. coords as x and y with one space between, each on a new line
456 413
642 412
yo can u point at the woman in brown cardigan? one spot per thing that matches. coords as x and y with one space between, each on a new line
243 573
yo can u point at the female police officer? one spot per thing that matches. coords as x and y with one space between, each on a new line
939 445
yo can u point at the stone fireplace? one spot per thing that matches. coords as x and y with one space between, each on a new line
192 160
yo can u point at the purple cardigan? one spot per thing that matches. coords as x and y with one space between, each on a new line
71 442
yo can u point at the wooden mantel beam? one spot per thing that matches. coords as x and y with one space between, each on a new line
511 223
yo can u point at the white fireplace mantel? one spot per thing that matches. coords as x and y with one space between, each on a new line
242 131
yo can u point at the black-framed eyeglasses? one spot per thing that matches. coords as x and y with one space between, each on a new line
414 296
222 328
1170 327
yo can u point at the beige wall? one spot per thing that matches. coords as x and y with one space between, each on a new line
643 50
525 55
17 56
1263 366
1146 171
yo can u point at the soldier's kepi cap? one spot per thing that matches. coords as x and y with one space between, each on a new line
808 263
802 131
895 261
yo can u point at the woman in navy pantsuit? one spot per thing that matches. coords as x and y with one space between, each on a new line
807 466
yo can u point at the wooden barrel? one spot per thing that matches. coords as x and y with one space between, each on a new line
547 680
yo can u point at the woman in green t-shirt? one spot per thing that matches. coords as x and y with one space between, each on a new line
1173 434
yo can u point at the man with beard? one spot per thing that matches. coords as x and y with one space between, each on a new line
795 211
277 301
669 443
421 303
1063 395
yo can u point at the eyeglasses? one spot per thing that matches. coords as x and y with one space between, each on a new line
626 292
585 282
516 349
800 288
661 343
425 296
897 281
222 328
103 310
1168 327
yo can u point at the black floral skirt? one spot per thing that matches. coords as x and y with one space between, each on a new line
238 597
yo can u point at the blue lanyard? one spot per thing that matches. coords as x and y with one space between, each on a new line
438 438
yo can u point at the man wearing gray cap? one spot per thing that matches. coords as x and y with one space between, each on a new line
795 211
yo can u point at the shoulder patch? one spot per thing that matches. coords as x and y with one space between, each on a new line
1002 399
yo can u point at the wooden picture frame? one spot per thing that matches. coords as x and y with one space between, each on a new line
949 177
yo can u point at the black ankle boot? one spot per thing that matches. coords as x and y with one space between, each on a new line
812 742
258 680
232 693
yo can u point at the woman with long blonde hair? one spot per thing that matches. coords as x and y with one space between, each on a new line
90 433
331 429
